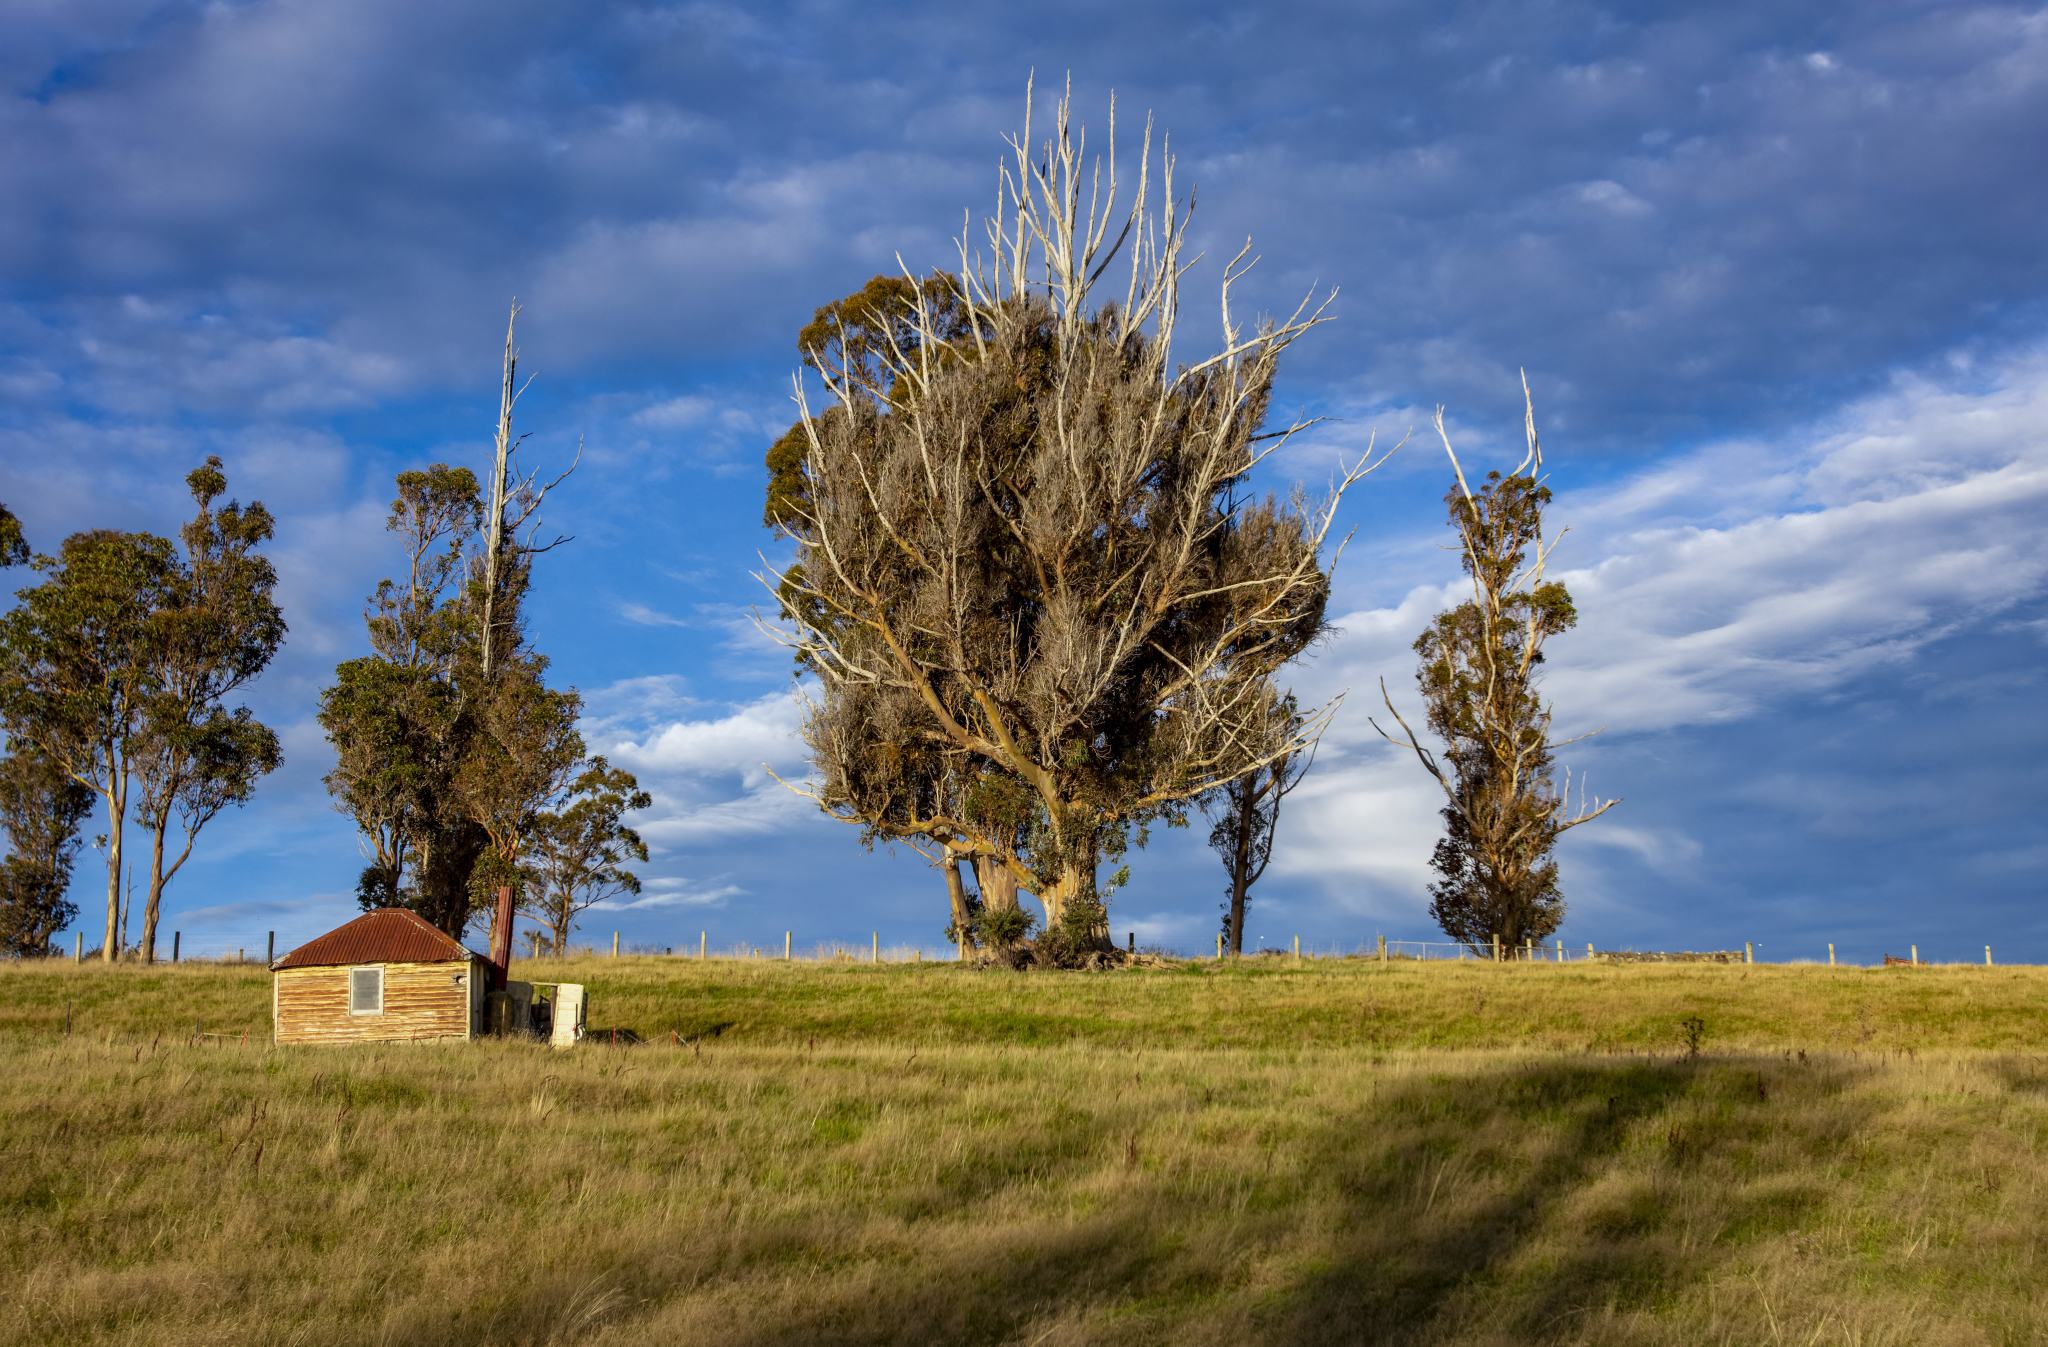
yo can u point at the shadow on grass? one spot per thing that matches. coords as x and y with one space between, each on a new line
1453 1208
2023 1075
1388 1286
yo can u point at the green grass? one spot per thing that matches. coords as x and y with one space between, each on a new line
1266 1153
1272 1002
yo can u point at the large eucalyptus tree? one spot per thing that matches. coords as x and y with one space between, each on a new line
1026 550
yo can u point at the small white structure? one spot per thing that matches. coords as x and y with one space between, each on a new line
570 1009
557 1011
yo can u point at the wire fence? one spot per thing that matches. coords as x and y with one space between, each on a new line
261 951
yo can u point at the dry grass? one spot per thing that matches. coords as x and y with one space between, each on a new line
917 1154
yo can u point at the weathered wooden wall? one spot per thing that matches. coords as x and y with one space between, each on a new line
421 1001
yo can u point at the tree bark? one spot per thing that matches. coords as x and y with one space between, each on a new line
156 892
1241 860
956 892
1076 886
117 812
998 884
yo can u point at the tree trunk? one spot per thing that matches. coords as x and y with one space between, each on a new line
117 802
1076 888
156 892
1241 860
956 892
998 884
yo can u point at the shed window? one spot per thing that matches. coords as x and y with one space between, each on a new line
366 991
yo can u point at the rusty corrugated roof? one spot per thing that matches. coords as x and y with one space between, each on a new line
387 935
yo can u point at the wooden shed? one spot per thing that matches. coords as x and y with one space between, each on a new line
387 976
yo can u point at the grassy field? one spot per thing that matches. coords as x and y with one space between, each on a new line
1268 1152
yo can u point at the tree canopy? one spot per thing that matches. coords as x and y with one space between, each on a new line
1496 878
117 668
448 741
1026 551
580 848
78 671
219 628
41 807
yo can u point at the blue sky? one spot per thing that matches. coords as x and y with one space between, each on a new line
1775 271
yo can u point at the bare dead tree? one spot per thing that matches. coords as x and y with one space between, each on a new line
1496 877
502 565
1025 552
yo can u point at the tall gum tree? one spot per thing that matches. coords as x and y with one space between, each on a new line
1029 549
41 807
398 720
40 810
1478 679
448 741
218 629
78 670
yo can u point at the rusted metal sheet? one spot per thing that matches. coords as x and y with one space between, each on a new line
419 1001
501 941
388 935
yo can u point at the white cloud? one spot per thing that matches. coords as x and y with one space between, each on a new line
1613 197
669 893
762 731
1849 546
641 615
684 411
611 711
766 807
1845 547
711 777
